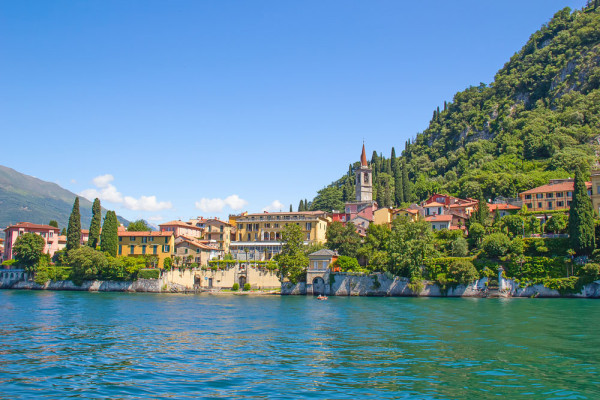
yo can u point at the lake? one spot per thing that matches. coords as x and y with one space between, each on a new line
133 345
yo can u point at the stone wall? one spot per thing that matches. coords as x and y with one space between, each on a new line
223 279
141 285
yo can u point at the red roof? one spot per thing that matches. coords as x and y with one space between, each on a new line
433 204
567 186
29 225
180 223
439 218
502 206
145 233
363 157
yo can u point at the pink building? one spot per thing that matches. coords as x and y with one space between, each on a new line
180 228
49 233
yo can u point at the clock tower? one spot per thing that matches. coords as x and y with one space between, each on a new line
364 180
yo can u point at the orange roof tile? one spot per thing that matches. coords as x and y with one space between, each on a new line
502 206
29 225
439 218
555 187
146 233
434 204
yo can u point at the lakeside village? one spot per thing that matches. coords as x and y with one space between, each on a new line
543 240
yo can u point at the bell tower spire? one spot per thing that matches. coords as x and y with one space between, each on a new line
363 157
364 179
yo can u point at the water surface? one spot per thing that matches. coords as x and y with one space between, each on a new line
120 345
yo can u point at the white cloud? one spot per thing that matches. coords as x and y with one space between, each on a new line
274 206
146 203
155 218
106 191
210 205
217 205
73 181
235 202
103 181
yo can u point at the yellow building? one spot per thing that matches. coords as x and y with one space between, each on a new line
384 216
596 190
410 213
218 231
139 244
259 235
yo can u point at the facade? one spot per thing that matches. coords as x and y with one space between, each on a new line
201 253
502 210
384 216
49 233
596 190
139 244
319 267
219 232
412 213
180 228
440 221
259 235
364 180
556 195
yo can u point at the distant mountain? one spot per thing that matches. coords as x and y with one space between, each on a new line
24 198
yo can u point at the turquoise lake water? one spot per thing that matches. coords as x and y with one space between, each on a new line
120 345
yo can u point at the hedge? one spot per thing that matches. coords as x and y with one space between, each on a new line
149 273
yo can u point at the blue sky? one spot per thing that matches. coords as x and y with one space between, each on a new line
184 108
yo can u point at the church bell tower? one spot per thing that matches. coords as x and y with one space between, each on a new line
364 180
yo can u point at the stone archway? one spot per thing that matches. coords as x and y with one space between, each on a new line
242 281
318 285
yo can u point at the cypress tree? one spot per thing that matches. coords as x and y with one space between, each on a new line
306 205
74 227
374 159
581 219
445 105
94 236
393 160
398 186
109 237
53 223
406 183
291 208
482 214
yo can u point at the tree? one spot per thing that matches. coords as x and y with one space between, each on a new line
410 243
375 249
345 263
393 160
496 245
344 239
301 206
86 263
482 214
292 260
94 236
581 219
476 233
557 224
138 226
291 208
398 186
408 196
110 234
459 247
329 198
514 224
53 223
28 250
74 227
63 232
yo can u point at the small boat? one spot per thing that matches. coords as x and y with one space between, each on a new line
321 297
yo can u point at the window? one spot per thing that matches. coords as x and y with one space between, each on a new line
539 205
131 249
559 194
132 238
549 195
527 197
155 249
144 239
549 205
529 205
120 249
560 204
539 196
256 236
51 234
197 250
166 240
221 237
569 203
569 194
166 248
144 249
249 237
186 251
308 226
249 227
308 236
120 238
221 227
440 210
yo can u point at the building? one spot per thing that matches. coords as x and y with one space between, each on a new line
439 221
556 195
49 233
412 213
194 228
219 232
596 190
319 267
384 216
259 235
502 210
201 252
139 244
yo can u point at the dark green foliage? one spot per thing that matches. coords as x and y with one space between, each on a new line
459 247
482 214
235 287
496 245
63 232
94 236
28 250
138 226
407 186
110 237
292 260
86 264
410 243
558 223
344 239
291 208
398 186
301 206
513 224
247 287
74 228
346 263
149 273
53 223
581 219
476 233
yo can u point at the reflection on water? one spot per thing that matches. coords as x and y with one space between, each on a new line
58 344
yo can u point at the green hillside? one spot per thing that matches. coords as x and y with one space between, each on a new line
539 119
25 198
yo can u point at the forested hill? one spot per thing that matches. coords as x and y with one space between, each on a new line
539 119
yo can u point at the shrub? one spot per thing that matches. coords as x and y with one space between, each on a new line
8 263
476 233
148 273
346 263
235 287
496 245
463 271
459 247
517 246
86 263
246 287
591 271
